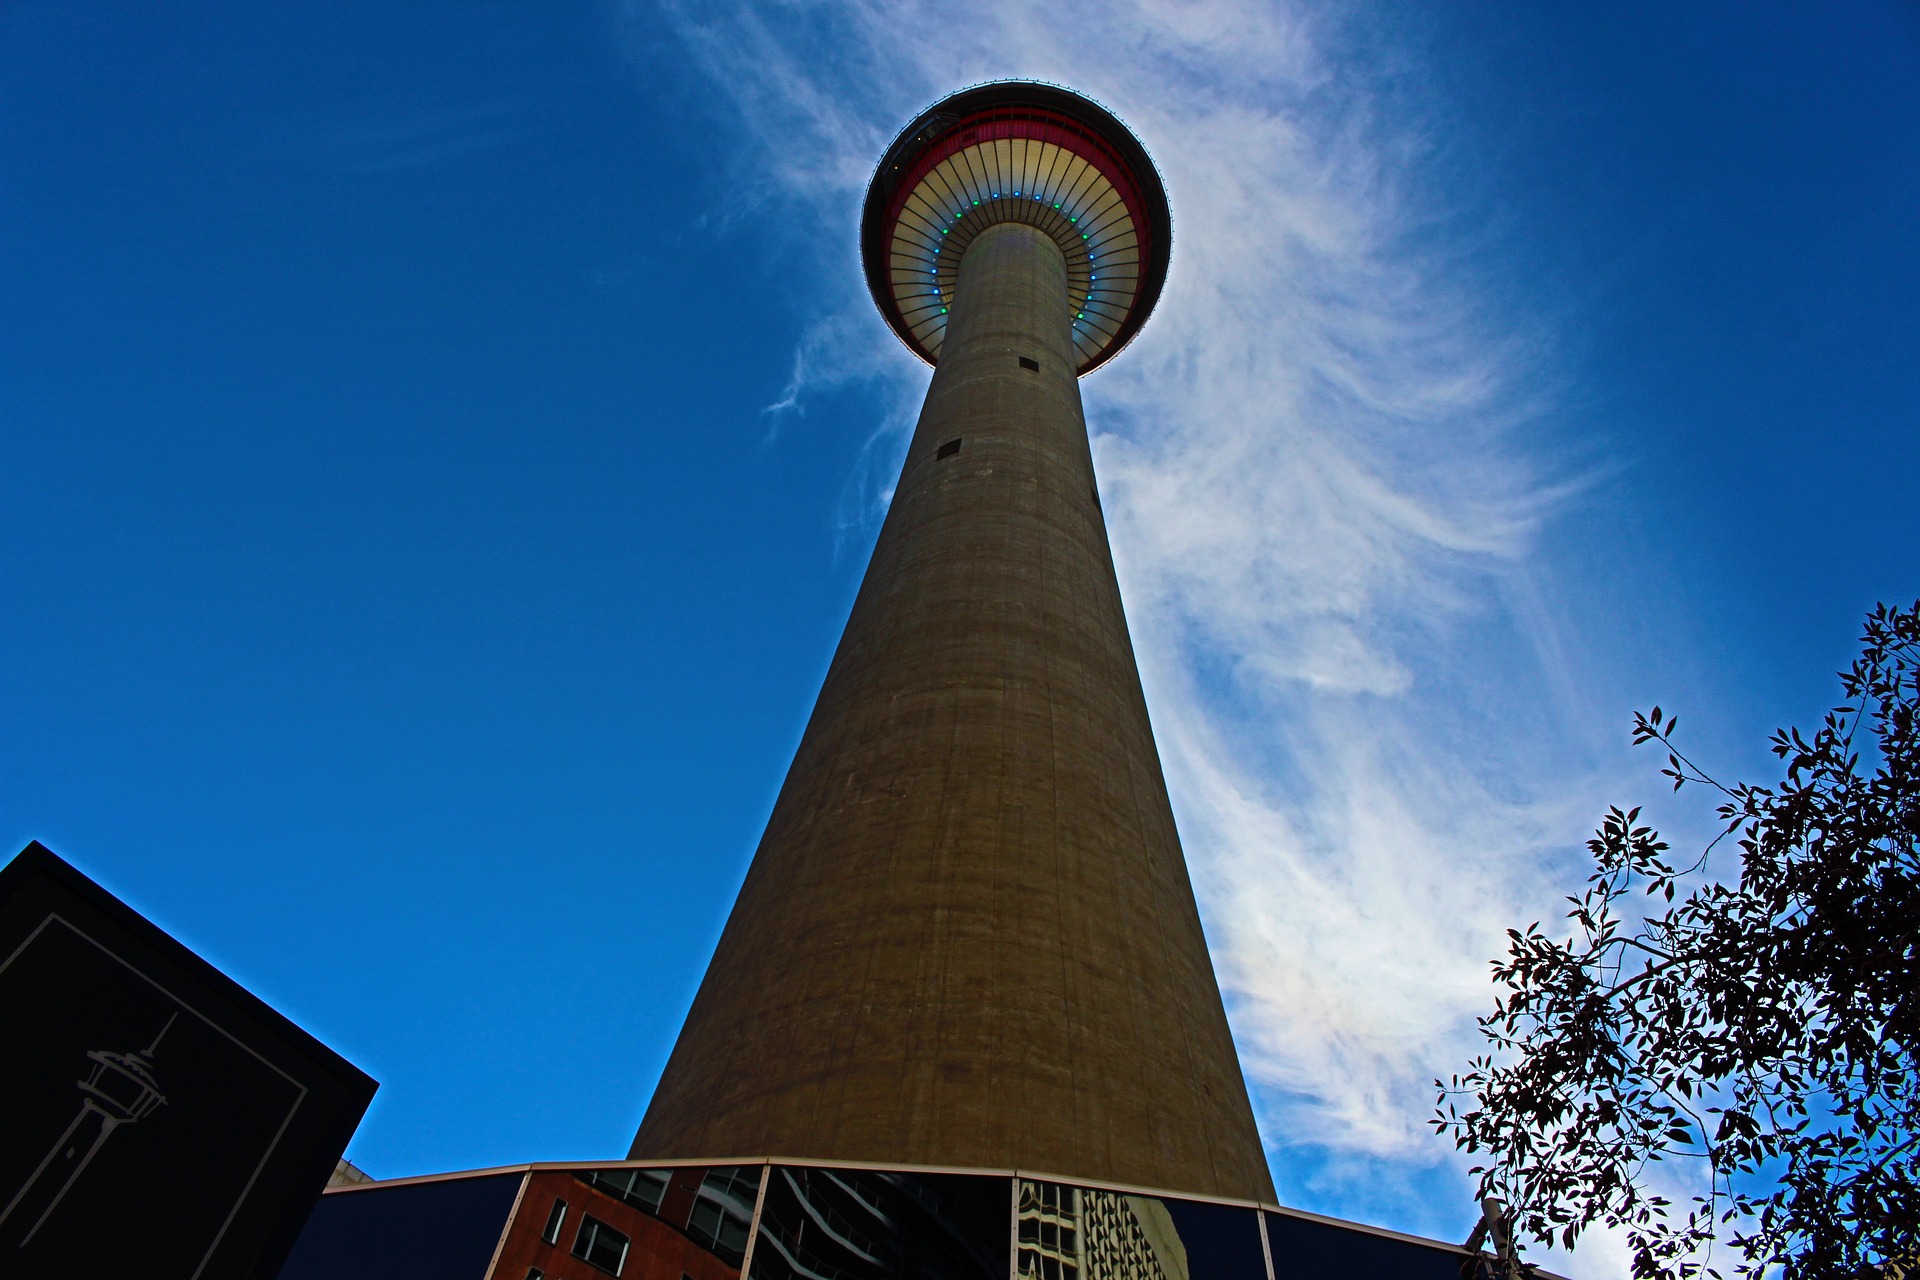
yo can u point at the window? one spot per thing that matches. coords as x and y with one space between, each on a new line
535 1273
723 1210
710 1224
741 1185
1028 362
599 1245
642 1188
703 1221
555 1216
948 449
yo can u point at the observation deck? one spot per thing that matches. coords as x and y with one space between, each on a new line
1017 151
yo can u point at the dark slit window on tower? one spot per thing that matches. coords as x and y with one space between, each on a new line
948 449
1028 362
555 1216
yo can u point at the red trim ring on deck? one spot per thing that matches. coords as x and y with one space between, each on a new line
1033 125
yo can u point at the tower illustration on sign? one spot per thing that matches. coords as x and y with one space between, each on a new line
118 1089
968 938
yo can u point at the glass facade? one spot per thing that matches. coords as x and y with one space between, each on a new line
1082 1233
864 1224
1306 1248
826 1222
713 1208
681 1223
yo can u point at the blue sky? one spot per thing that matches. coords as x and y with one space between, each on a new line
441 442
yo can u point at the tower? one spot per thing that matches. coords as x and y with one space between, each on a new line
968 938
961 1023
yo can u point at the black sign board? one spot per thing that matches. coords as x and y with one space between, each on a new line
156 1119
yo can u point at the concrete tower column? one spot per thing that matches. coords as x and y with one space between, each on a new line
968 937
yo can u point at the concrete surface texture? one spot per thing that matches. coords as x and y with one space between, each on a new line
968 936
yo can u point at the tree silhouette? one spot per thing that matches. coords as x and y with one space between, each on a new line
1766 1028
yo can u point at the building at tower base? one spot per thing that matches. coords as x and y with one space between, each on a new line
798 1220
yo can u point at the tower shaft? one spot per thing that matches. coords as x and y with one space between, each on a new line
968 937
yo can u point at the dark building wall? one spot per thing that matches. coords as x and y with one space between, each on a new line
440 1230
968 937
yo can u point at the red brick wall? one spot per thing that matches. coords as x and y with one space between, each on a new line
658 1251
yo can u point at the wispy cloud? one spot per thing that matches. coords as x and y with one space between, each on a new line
424 138
1321 505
